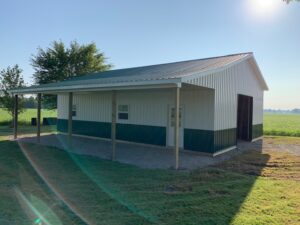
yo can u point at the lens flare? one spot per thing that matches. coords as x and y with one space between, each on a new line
103 183
53 188
264 7
36 209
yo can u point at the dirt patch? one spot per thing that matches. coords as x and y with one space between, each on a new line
277 140
275 164
217 192
177 189
282 144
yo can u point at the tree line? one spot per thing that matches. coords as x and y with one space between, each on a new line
28 103
283 111
56 63
288 1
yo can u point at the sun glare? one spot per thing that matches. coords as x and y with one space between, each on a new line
264 7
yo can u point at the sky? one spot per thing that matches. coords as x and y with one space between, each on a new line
143 32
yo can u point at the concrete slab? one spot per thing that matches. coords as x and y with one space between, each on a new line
134 154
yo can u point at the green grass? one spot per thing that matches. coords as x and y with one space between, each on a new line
6 131
282 124
40 183
25 117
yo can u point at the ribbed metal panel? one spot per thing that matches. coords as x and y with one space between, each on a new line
62 109
238 79
198 107
90 107
146 107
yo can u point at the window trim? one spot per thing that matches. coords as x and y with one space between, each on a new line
74 110
123 112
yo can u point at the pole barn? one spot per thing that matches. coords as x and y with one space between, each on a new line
203 105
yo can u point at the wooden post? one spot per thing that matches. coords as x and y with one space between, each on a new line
113 124
16 117
38 122
177 98
70 119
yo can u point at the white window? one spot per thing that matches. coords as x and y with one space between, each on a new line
123 112
74 111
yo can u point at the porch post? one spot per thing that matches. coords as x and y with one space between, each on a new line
177 98
16 116
70 119
113 124
38 122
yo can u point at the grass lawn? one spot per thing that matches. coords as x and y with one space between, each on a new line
43 184
6 131
25 117
282 124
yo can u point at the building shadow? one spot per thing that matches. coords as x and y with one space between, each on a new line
252 160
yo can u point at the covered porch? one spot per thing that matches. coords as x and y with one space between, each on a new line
108 147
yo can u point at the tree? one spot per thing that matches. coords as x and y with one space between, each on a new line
58 63
11 78
288 1
30 103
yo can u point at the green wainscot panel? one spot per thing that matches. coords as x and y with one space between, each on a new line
224 139
257 131
209 141
199 140
153 135
88 128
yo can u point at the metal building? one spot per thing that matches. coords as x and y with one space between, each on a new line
202 105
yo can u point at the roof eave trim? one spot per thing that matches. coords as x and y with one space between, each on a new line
167 83
260 75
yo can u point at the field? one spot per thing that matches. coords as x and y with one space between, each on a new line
25 117
282 124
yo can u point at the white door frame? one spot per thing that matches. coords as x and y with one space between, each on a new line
171 129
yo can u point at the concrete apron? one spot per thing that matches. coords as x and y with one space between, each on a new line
130 153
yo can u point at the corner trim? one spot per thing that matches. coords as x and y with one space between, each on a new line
224 151
85 136
256 139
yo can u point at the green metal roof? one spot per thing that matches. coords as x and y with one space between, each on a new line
171 72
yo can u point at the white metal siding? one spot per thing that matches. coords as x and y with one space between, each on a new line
238 79
258 110
90 107
146 107
198 108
